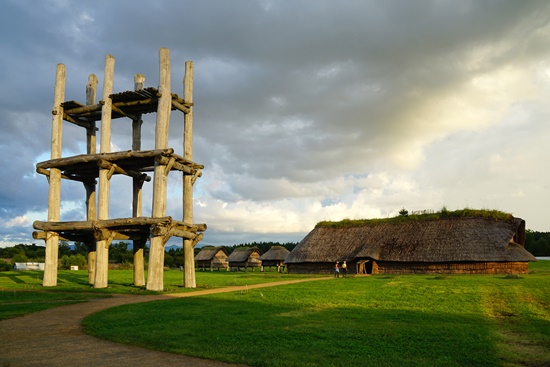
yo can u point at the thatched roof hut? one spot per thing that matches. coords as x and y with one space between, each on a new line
211 257
442 245
245 257
275 256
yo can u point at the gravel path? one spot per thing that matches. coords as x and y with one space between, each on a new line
54 337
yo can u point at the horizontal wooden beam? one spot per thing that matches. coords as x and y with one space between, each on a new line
128 172
46 172
84 158
180 107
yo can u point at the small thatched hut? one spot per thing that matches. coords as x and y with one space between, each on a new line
275 256
475 245
245 257
211 257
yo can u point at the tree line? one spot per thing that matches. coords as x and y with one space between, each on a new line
537 243
120 253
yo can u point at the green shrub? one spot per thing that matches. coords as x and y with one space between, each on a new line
72 260
5 266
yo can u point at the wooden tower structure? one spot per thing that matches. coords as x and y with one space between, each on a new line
98 231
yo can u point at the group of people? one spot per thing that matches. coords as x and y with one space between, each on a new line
340 269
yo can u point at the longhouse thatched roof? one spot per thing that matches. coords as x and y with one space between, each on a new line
241 254
437 240
275 253
207 253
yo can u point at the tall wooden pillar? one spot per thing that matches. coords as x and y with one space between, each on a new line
188 245
90 185
102 262
137 184
54 195
155 281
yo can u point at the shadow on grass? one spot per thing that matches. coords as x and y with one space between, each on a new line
259 332
13 278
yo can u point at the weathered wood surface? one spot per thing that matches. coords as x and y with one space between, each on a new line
90 184
111 157
102 247
188 245
97 231
117 223
155 276
124 104
54 194
137 192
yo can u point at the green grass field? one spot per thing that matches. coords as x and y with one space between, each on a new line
413 320
416 320
21 292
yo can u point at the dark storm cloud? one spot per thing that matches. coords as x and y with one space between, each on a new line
290 97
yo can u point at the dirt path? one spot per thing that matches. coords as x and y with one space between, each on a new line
54 337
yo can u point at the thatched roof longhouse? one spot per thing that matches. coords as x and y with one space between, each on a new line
208 253
245 257
275 253
211 257
433 241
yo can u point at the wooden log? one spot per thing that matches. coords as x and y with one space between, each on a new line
165 161
102 264
91 98
119 111
155 281
169 165
165 101
111 157
196 175
77 122
197 239
106 223
84 110
137 193
63 226
139 263
188 247
92 262
46 172
90 185
128 172
164 231
180 107
54 194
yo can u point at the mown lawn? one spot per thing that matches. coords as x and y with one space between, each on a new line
21 292
417 320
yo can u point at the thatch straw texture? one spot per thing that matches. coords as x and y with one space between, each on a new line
211 257
428 241
275 253
209 253
245 257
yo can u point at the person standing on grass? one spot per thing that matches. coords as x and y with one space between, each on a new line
337 270
344 269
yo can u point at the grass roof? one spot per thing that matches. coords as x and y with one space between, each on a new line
419 216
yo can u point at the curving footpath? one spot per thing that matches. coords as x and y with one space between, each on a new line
54 337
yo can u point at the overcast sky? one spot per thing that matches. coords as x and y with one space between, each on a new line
304 110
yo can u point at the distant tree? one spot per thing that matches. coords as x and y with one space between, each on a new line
541 247
10 252
64 248
404 212
177 256
119 253
537 243
5 266
169 260
80 248
72 260
19 258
